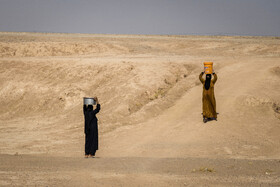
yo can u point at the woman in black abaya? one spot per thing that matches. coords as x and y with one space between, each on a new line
91 129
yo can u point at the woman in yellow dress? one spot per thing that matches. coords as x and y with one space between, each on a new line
208 97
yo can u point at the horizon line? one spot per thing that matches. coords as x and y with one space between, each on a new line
179 34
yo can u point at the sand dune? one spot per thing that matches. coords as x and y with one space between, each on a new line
149 92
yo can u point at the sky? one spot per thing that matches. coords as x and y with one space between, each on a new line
153 17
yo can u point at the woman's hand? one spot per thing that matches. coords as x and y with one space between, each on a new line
96 99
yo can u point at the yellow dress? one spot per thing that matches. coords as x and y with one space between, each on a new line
208 98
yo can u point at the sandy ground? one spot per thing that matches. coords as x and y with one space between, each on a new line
150 124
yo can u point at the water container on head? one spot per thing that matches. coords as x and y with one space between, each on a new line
89 101
208 67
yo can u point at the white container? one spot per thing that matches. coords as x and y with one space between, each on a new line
89 101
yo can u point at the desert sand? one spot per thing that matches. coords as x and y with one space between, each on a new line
151 131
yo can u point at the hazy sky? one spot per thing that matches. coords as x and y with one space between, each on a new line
237 17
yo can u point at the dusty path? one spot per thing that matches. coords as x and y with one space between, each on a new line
136 171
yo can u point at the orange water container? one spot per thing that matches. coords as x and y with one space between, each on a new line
208 67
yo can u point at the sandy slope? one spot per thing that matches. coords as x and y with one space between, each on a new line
150 95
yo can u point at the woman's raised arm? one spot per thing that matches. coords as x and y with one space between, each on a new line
200 77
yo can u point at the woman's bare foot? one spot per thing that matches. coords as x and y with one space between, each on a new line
86 156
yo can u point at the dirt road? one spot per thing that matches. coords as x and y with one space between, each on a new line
136 171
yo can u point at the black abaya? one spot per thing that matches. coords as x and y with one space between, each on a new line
91 129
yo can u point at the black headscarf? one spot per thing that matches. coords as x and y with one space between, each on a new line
89 108
207 81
